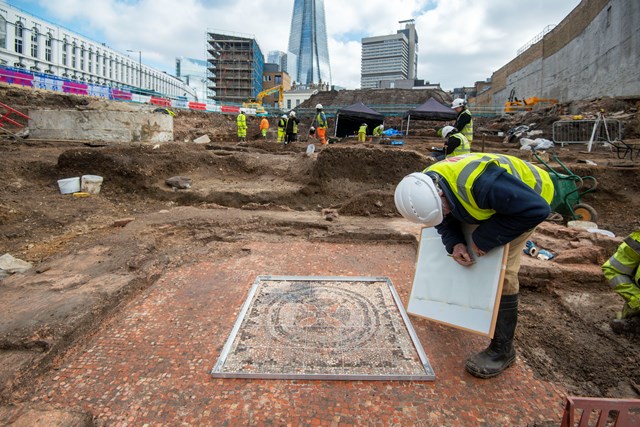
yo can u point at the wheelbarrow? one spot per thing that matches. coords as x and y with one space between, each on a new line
569 188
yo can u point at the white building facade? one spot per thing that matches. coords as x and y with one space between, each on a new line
32 44
293 98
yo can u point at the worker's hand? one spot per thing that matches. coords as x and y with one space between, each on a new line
462 256
477 250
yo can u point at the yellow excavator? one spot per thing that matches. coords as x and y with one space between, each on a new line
515 105
256 103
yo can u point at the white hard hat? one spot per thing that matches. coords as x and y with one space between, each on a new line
446 131
292 114
458 102
318 106
417 200
381 126
284 116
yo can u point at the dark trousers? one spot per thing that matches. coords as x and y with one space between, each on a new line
291 137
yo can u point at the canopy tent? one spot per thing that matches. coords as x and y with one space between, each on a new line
430 110
349 119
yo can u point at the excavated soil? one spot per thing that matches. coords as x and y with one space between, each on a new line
266 191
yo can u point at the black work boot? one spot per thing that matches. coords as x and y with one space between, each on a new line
500 354
629 325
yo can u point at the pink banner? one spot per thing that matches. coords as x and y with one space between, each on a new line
16 77
77 88
120 94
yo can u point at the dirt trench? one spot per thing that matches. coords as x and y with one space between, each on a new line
265 191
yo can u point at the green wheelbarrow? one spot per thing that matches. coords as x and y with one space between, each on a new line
569 188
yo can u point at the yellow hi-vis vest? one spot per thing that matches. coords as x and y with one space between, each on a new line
622 270
241 120
468 129
322 120
461 172
463 148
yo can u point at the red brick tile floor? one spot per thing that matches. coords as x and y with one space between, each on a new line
149 365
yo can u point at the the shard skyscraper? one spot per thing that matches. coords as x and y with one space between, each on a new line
308 41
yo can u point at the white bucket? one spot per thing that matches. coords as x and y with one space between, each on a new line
91 184
69 185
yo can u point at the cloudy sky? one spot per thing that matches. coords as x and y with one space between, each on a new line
460 41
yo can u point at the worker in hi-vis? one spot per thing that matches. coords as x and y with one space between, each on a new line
455 143
506 198
321 128
282 126
377 133
362 132
264 127
292 128
622 271
464 121
241 121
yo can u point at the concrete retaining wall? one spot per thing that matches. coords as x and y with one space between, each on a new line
95 125
592 53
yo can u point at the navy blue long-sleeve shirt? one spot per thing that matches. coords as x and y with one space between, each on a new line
517 209
462 119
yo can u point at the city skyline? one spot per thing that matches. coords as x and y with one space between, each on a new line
450 53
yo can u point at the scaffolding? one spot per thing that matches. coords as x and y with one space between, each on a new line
235 67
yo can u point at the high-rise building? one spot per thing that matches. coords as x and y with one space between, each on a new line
389 58
412 37
308 41
384 58
235 67
285 60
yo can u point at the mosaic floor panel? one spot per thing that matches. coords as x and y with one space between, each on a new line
323 328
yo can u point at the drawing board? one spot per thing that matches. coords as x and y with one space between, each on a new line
463 297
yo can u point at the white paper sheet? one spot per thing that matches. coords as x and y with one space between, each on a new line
445 291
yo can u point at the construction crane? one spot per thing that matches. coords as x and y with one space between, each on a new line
257 103
515 105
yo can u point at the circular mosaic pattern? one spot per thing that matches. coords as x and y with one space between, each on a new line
327 317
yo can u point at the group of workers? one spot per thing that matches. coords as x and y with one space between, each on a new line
377 132
505 199
287 127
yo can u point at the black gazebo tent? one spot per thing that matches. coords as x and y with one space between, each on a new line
430 110
349 119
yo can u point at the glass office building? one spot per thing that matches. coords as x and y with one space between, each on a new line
308 41
286 62
193 72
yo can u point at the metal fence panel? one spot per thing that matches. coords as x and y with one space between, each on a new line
579 131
